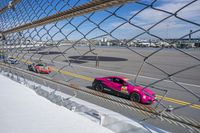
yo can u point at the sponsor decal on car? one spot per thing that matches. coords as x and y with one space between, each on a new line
124 89
106 89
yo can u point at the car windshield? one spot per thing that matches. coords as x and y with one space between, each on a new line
40 65
130 82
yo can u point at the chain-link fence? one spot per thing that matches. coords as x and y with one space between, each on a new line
154 43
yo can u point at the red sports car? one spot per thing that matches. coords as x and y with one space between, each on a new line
121 86
39 68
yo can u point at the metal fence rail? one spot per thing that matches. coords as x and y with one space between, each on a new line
68 33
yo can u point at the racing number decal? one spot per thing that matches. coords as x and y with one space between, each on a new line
124 89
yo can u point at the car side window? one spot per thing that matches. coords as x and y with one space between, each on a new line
117 80
110 79
40 65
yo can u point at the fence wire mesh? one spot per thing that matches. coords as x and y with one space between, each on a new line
154 43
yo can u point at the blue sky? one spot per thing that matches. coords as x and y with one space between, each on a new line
170 28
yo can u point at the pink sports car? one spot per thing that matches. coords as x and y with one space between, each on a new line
121 86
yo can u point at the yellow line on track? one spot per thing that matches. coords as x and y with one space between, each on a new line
196 106
72 74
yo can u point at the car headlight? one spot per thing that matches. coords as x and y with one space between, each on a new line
146 93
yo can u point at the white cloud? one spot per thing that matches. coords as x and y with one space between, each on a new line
188 12
149 16
173 25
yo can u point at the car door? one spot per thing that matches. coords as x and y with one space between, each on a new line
121 85
37 67
108 83
117 84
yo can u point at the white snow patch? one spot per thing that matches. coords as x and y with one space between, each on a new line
23 111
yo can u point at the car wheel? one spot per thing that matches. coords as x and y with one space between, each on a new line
36 71
135 97
99 87
29 68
